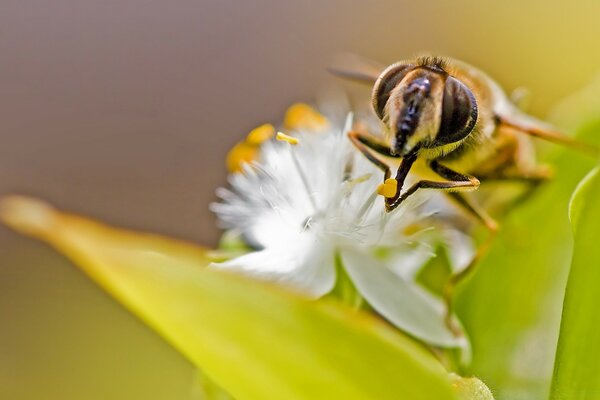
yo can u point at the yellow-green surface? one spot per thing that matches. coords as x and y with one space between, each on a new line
255 341
125 110
577 371
512 305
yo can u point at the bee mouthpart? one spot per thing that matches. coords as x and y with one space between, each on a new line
399 144
408 150
402 148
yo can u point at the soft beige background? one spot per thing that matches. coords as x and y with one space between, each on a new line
124 110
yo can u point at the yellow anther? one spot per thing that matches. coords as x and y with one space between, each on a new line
302 116
286 138
247 151
241 154
261 134
388 188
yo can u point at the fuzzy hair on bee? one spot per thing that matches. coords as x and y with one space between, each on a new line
424 107
453 116
435 62
462 125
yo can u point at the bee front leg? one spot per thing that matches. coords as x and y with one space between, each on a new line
365 144
456 182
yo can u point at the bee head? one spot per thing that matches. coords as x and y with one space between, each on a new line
423 107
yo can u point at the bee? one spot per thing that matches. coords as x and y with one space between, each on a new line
459 123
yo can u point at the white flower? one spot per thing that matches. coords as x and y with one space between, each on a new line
313 207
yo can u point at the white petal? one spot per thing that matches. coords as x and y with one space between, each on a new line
460 249
402 302
409 259
306 264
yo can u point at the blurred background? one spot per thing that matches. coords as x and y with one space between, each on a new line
124 110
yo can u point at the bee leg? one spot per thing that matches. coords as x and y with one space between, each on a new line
546 134
456 278
474 209
456 182
532 180
467 204
365 144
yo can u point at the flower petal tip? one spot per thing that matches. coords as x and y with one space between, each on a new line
27 215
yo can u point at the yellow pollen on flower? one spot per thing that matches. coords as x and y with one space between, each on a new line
239 155
388 188
286 138
261 134
247 151
301 116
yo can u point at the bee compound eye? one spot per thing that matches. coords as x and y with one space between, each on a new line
459 112
386 82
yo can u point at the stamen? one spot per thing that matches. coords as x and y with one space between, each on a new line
286 138
349 164
412 229
260 135
242 153
247 151
348 123
348 186
388 189
365 207
358 180
302 116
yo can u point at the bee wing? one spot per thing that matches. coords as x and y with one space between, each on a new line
356 68
532 127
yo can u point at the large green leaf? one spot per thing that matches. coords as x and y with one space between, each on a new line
577 366
255 341
511 307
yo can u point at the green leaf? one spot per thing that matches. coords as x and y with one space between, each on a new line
511 306
577 366
255 341
580 197
205 389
